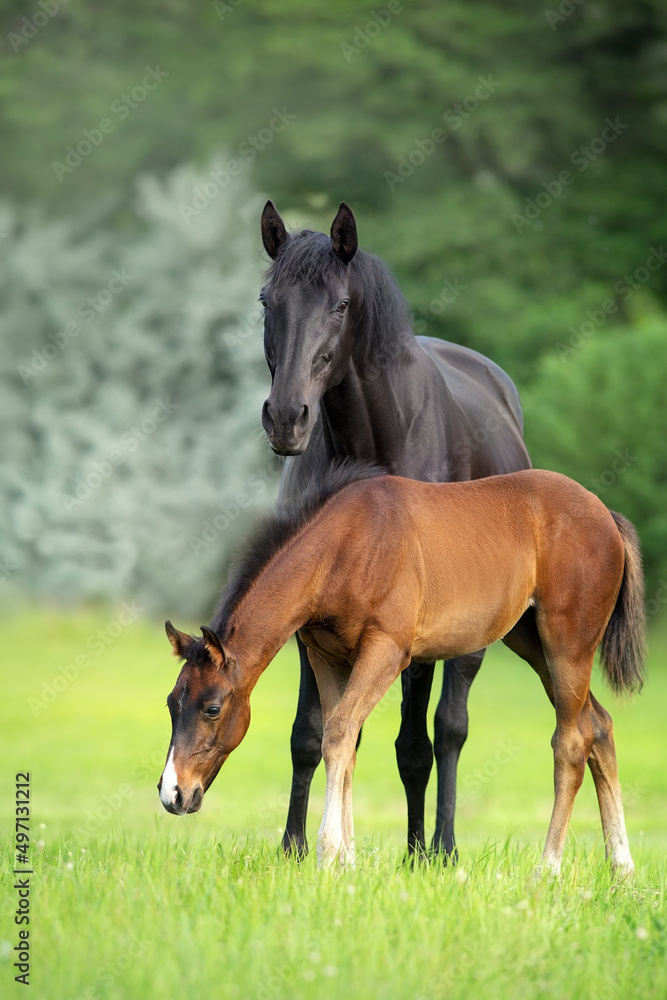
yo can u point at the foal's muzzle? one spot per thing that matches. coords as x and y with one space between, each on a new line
288 432
181 802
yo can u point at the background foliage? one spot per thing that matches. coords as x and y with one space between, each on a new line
361 90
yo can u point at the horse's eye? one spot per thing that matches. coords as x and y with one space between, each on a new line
212 711
265 304
342 306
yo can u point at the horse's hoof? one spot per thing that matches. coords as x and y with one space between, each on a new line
443 855
294 847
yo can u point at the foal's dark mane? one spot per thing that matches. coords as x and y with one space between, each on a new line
275 530
378 309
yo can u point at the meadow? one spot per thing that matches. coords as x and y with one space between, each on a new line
130 902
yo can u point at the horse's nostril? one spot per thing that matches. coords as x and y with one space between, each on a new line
178 797
197 797
302 419
267 419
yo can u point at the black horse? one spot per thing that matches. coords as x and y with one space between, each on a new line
350 380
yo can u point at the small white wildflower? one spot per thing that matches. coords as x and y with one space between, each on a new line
351 889
461 876
641 933
69 866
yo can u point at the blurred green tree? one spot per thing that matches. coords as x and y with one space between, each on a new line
132 381
599 415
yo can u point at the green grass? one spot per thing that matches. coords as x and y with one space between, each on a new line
129 902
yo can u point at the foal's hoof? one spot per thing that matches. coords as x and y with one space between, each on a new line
545 873
623 872
294 846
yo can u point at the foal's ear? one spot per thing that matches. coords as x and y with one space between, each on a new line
274 234
219 656
179 640
344 234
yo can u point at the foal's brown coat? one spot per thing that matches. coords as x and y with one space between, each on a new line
390 570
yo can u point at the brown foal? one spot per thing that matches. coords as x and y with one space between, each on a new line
378 571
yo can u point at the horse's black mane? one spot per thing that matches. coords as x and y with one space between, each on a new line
378 308
271 534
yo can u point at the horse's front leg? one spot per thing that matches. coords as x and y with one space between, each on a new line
376 667
306 747
451 731
414 750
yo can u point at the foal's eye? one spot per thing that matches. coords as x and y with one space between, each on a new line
212 711
342 306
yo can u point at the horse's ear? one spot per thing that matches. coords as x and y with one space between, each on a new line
274 234
344 234
180 641
218 655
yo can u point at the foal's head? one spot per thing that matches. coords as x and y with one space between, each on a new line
210 714
307 333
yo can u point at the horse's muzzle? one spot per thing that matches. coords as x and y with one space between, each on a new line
289 432
180 803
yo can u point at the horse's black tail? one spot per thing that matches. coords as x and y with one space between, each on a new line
623 647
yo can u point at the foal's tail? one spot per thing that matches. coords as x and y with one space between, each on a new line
623 647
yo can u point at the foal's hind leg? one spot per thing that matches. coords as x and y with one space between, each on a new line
414 750
566 683
451 731
602 763
572 743
306 746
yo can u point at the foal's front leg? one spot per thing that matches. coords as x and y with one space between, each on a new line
345 708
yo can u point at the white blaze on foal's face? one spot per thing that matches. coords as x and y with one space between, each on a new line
169 783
